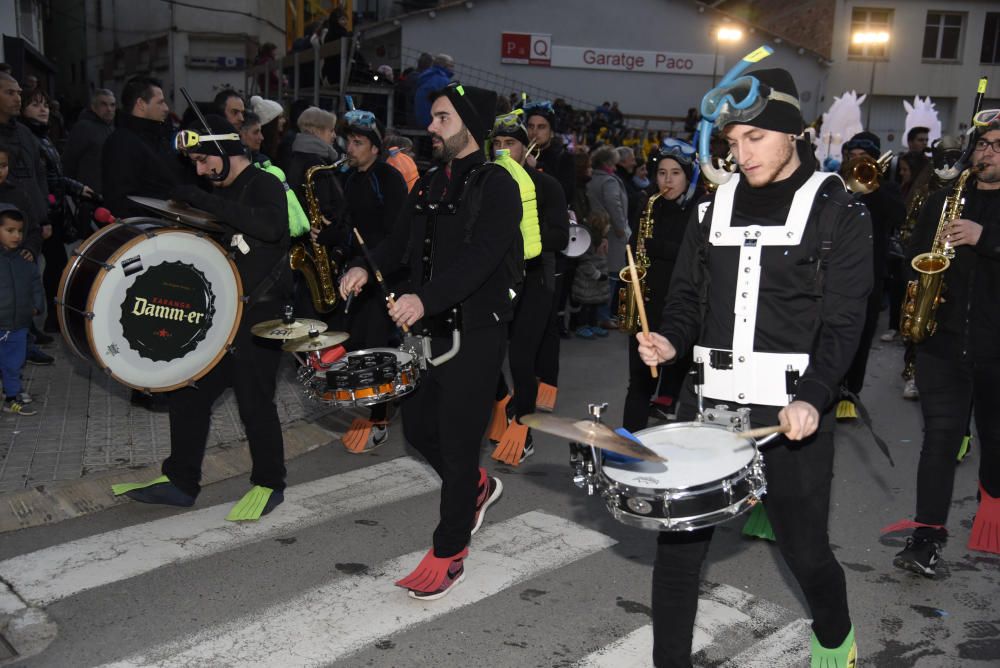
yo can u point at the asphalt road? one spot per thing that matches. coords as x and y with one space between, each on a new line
552 579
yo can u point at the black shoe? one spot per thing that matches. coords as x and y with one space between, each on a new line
147 401
38 358
921 556
51 327
163 494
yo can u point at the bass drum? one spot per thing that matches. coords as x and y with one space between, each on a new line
155 307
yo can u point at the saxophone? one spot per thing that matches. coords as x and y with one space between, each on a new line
923 294
628 312
310 257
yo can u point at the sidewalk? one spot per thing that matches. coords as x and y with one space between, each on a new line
86 424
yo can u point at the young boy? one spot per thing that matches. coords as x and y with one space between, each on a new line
21 296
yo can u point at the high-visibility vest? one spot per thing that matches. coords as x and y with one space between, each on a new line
531 231
298 221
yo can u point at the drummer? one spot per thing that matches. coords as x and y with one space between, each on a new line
251 204
749 312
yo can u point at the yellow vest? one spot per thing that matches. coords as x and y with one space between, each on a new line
531 232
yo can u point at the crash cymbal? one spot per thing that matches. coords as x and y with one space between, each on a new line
281 330
314 341
181 213
590 433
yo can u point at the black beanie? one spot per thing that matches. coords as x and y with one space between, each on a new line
475 106
654 163
518 131
374 135
218 126
543 111
777 115
866 141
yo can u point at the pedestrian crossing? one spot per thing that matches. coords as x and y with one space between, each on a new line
349 613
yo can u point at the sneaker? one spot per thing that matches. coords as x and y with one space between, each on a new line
24 398
487 500
599 331
585 332
529 448
609 324
889 336
38 358
16 407
378 437
456 573
910 390
921 556
41 338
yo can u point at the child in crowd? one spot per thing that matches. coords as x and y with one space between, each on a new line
21 297
590 283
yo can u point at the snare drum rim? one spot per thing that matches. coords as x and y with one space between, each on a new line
113 260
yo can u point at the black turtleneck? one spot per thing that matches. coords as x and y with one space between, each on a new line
772 201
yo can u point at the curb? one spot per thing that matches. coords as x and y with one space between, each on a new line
53 503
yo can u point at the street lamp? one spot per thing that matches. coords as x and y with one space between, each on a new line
870 38
729 34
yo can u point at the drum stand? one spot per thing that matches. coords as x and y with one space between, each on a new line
585 459
738 420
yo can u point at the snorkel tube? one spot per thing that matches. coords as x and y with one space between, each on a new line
720 176
208 131
951 173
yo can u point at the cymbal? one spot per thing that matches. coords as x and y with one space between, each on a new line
591 433
281 330
179 212
314 341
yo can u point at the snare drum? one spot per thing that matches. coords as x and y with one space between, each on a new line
711 475
153 306
368 377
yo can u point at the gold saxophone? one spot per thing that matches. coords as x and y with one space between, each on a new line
923 294
310 257
628 312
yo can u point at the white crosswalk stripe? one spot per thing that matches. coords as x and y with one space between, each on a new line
322 626
67 569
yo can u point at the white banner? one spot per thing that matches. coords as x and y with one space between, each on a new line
624 60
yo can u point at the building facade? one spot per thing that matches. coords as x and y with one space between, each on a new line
938 48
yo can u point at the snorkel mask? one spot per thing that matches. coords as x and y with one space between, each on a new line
735 98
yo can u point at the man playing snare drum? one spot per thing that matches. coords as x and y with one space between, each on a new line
769 293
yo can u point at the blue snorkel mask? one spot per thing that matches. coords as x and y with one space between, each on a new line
735 98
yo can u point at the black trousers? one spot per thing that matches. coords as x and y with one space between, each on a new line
445 419
947 387
252 371
798 503
896 287
547 361
531 322
55 261
855 379
642 386
369 325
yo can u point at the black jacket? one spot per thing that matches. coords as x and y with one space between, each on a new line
21 291
662 249
888 215
556 161
969 317
801 309
84 147
553 220
254 205
374 200
139 160
472 271
27 172
326 185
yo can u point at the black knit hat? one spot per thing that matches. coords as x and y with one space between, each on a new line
778 115
218 126
475 106
653 164
515 130
867 142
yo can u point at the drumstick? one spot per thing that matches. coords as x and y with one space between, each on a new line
378 274
760 432
637 292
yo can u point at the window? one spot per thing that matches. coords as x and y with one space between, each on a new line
991 40
942 36
870 23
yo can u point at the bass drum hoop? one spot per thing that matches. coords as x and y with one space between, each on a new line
156 227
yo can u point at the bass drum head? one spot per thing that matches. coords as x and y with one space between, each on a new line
166 312
696 454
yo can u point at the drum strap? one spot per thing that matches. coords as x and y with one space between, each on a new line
269 282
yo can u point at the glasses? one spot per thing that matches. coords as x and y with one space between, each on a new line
511 121
365 120
541 105
676 148
982 144
986 117
741 100
185 140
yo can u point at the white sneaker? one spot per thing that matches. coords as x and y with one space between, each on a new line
889 336
910 390
24 398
